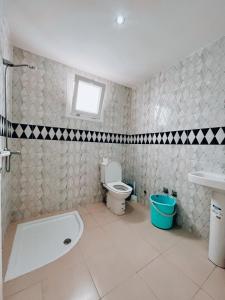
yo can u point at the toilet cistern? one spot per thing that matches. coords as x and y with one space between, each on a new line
217 213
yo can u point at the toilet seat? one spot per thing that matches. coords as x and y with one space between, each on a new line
118 187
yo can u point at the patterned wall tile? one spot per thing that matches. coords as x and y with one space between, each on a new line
184 107
159 132
60 162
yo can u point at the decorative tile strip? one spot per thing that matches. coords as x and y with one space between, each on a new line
201 136
39 132
3 126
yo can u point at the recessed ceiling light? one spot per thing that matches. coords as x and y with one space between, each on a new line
120 20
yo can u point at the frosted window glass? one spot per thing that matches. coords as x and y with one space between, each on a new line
88 97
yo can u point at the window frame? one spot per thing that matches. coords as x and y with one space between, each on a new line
82 114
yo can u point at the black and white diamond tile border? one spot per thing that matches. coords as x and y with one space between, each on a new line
39 132
3 126
203 136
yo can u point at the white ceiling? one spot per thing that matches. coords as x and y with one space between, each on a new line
83 33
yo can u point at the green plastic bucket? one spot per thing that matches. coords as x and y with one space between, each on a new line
163 210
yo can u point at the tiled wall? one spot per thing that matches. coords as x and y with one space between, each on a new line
54 174
173 112
5 51
190 95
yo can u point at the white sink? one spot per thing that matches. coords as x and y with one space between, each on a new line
211 180
217 213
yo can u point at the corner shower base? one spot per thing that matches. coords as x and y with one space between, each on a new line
42 241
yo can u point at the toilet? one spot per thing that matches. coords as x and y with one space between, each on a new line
117 191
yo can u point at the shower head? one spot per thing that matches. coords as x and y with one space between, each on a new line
8 63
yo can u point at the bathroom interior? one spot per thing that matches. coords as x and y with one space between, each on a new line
112 150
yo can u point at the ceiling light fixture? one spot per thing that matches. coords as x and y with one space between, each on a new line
120 20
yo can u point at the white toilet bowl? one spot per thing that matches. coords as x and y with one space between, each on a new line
116 196
117 191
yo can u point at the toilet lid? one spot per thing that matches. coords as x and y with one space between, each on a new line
113 172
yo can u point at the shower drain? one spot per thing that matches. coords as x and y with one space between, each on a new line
67 241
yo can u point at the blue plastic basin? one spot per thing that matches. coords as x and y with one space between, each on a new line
163 210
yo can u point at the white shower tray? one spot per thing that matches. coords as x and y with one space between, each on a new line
42 241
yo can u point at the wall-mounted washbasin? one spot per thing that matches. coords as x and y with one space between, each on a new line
217 213
211 180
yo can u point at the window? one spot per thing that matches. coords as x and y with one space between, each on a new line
87 98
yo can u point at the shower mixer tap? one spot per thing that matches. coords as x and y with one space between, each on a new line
8 159
15 152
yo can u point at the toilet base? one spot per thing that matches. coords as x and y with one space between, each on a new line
117 206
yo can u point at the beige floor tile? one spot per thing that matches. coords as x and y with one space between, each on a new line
141 209
135 214
167 281
137 228
104 217
196 245
74 283
215 285
32 293
94 241
96 207
136 249
118 231
108 269
201 295
158 238
89 222
132 289
138 252
181 235
197 267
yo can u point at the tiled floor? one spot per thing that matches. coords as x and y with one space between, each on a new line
123 258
